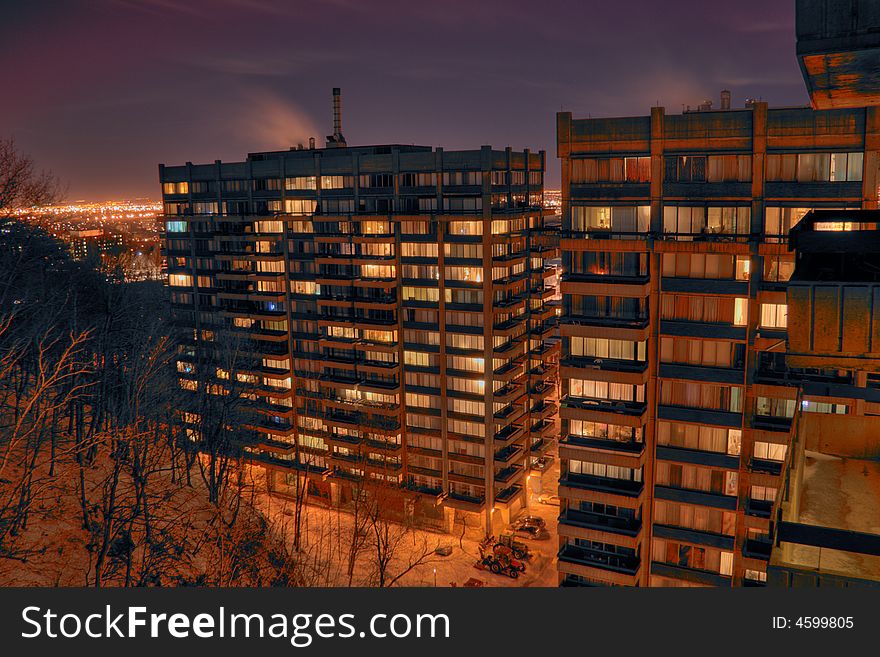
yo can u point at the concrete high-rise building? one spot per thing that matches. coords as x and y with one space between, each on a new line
395 299
676 399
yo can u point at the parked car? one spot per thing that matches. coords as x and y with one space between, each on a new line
533 532
443 550
549 499
527 521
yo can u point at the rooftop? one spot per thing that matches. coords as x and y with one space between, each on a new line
827 524
838 493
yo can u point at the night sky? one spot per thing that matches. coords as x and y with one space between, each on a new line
102 91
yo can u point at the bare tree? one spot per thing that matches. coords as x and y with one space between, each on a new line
21 184
397 547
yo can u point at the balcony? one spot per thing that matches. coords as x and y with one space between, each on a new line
610 364
700 415
733 375
632 322
628 446
508 494
695 536
509 371
467 502
715 330
543 429
601 522
772 423
755 549
705 577
695 497
543 410
509 433
508 412
505 454
509 392
540 446
706 286
542 390
605 560
697 457
708 234
766 466
625 487
759 508
508 474
604 405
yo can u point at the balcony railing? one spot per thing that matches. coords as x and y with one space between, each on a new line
766 466
757 549
602 484
615 562
602 522
759 508
604 405
632 446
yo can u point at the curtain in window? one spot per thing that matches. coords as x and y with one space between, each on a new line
624 220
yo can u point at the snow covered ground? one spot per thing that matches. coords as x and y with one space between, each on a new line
328 534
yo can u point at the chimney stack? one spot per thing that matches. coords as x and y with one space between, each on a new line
725 99
336 139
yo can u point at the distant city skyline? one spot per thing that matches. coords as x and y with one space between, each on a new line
157 81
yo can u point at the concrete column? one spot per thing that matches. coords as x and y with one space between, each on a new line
448 520
658 168
759 155
489 388
658 131
871 165
563 152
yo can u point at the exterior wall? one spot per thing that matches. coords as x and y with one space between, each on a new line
395 299
711 397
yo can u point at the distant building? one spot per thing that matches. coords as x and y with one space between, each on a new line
396 298
93 243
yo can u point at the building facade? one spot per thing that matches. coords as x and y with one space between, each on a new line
395 300
676 399
93 243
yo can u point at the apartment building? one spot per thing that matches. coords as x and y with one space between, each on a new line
93 243
677 401
395 300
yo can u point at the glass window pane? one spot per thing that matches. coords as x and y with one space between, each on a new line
854 167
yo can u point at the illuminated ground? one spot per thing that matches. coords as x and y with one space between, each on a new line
329 535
